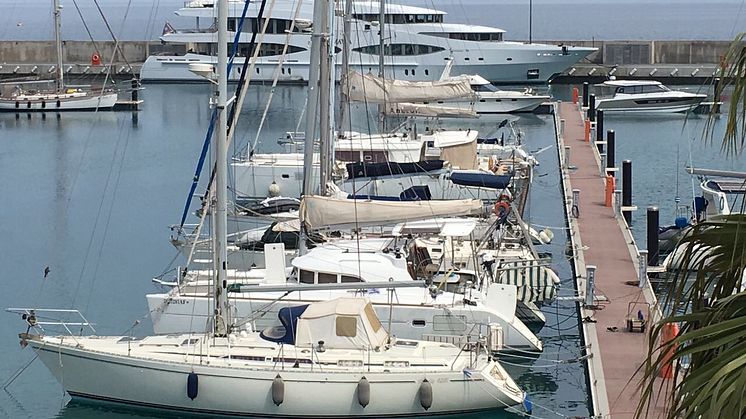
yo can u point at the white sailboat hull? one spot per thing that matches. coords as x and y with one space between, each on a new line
53 103
237 389
502 102
410 318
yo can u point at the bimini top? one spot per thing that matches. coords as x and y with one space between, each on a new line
342 323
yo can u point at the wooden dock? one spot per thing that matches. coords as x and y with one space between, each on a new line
602 238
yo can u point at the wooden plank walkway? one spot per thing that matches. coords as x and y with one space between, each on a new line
607 244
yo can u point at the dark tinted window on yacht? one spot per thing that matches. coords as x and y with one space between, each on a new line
306 277
469 36
347 278
274 25
399 18
266 50
325 278
400 49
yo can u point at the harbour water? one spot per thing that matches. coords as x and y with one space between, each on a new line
91 196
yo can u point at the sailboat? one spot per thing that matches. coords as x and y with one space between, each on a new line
326 359
61 98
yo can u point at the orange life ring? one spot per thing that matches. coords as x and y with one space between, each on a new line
504 197
502 208
95 59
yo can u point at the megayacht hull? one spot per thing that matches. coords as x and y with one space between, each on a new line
530 69
240 390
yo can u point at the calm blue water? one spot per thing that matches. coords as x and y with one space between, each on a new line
552 19
91 195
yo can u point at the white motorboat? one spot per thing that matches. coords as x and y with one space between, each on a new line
489 99
646 96
61 98
419 42
329 359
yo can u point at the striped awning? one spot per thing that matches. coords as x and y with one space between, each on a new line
535 282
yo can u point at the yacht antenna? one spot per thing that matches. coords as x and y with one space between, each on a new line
222 310
58 42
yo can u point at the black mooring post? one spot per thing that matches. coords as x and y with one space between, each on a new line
716 97
610 140
627 189
600 127
653 224
134 91
585 94
592 107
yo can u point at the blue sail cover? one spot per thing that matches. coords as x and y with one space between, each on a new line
480 179
286 333
414 193
361 169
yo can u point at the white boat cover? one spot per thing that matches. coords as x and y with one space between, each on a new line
318 212
342 323
418 109
445 227
370 88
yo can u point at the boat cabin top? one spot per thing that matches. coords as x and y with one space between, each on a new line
635 87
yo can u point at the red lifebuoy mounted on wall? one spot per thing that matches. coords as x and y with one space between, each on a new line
95 59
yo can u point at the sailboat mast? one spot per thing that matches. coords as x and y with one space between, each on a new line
58 42
325 101
381 24
317 33
381 63
344 116
222 311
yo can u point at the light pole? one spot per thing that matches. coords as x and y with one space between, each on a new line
530 20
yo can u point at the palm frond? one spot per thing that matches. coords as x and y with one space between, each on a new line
710 306
733 75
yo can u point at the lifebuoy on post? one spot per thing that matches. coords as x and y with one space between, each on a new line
502 209
95 59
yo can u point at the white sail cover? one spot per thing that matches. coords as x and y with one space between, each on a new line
367 87
342 323
318 212
419 109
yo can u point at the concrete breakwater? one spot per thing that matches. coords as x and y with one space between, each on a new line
639 59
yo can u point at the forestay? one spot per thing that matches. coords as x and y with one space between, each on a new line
318 212
369 88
